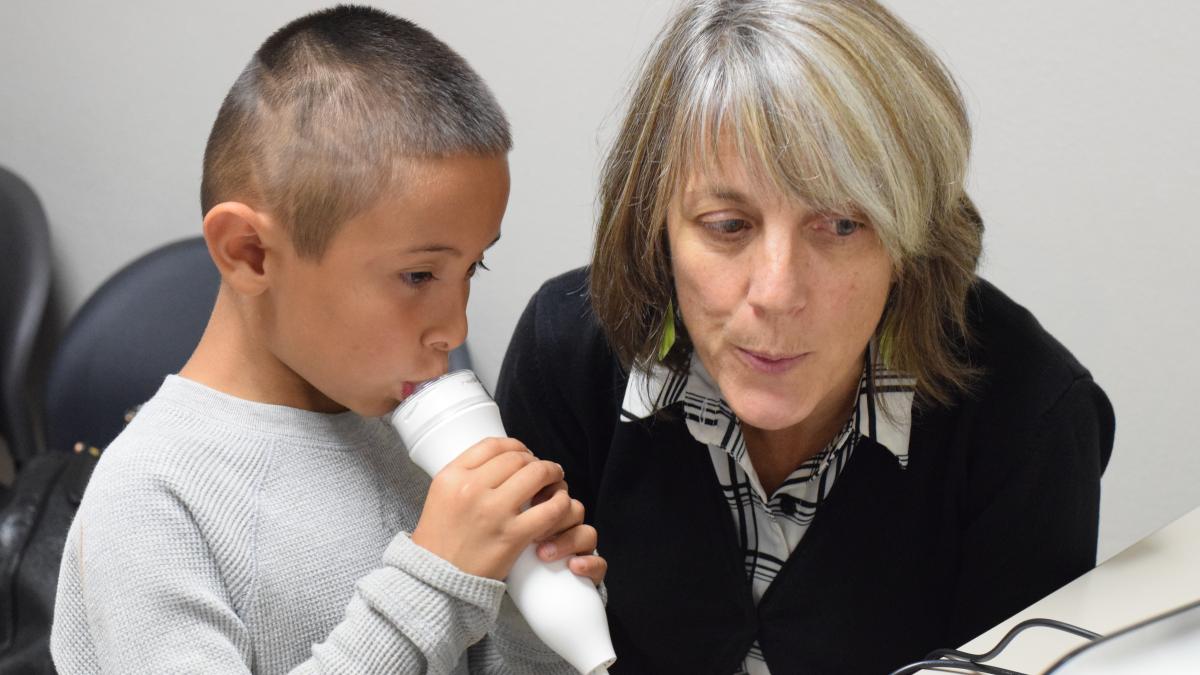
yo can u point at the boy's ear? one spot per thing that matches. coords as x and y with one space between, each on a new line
239 240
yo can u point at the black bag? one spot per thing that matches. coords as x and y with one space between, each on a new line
33 529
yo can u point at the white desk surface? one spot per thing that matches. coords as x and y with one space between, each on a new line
1157 574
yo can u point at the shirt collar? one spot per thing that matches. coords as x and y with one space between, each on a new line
709 417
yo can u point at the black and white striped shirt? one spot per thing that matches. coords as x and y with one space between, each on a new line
770 526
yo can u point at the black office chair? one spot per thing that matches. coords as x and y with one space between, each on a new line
24 289
138 327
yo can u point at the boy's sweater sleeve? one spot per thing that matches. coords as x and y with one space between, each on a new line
416 614
140 589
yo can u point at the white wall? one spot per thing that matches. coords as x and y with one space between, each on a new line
1084 168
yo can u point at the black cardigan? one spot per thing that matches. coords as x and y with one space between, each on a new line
998 507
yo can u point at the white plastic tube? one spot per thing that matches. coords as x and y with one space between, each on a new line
437 423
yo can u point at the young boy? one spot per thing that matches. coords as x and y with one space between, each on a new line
255 515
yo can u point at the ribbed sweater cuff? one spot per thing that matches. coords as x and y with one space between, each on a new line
439 608
428 567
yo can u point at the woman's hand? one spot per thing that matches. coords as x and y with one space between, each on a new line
473 519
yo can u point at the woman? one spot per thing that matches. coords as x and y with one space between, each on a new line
811 439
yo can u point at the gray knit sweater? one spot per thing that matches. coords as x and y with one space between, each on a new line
219 535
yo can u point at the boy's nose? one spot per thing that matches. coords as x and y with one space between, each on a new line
450 330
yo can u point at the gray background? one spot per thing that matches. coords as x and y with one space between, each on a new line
1084 166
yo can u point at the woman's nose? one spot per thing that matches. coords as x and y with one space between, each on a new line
778 278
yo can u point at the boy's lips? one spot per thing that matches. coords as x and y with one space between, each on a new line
409 386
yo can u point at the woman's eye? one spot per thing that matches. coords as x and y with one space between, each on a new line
844 227
417 278
726 227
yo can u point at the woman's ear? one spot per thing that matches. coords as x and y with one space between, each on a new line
239 240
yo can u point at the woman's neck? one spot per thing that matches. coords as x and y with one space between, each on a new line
776 453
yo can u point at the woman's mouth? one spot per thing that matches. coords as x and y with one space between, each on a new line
768 363
407 389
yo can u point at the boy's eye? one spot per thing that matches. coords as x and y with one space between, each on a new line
477 266
417 278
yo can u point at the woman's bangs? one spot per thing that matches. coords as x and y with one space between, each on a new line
786 136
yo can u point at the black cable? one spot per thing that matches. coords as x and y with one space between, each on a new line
1030 623
953 666
958 660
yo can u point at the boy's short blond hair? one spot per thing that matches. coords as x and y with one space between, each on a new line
331 109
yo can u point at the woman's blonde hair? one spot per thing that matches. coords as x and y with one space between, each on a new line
834 102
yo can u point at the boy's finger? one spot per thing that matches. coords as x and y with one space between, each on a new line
524 484
477 455
548 492
591 566
494 472
570 520
541 522
578 540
